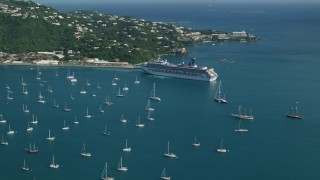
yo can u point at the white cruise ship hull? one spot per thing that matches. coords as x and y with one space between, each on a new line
200 78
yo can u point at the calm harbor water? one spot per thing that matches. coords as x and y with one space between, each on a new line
268 76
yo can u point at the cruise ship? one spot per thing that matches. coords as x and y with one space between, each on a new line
186 71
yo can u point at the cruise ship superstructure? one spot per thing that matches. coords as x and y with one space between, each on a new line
186 71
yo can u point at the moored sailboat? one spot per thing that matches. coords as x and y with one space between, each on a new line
294 113
170 154
218 98
83 151
242 115
126 149
153 93
221 149
164 176
120 167
53 164
104 175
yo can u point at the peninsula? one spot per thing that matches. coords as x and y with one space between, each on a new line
38 34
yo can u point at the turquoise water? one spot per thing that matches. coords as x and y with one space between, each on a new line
268 76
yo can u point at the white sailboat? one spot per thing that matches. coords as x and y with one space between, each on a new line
83 91
139 124
195 143
137 81
113 82
54 104
22 82
101 110
106 132
8 96
164 176
34 120
244 115
149 116
49 89
3 141
119 93
123 120
41 98
104 175
294 113
83 151
75 120
120 167
73 79
25 108
115 77
24 90
170 154
240 129
88 115
10 131
69 76
218 98
71 97
66 109
221 149
64 126
32 148
98 86
24 167
50 138
108 101
125 88
2 120
153 93
148 107
93 94
88 82
29 128
53 164
126 149
38 75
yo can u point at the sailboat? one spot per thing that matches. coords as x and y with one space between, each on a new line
53 164
106 132
54 104
69 76
2 120
164 176
24 90
75 120
34 121
126 149
139 124
8 96
104 175
22 82
10 132
119 93
64 126
25 108
113 82
218 97
149 116
24 167
240 129
123 120
120 167
137 81
50 138
108 102
125 88
93 94
83 151
115 77
169 154
49 89
195 143
98 86
38 75
32 149
88 115
83 91
3 142
153 93
88 83
71 97
29 128
101 110
66 109
221 149
244 115
294 113
148 107
41 98
73 79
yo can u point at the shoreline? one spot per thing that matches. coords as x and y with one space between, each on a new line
74 65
